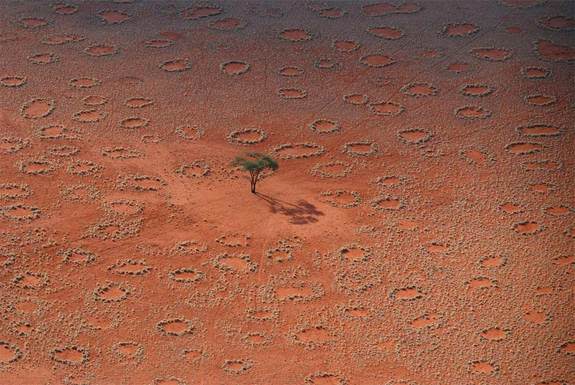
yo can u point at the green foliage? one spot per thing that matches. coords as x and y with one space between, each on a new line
255 163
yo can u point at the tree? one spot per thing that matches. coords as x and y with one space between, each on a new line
255 163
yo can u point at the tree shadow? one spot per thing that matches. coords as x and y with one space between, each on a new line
300 213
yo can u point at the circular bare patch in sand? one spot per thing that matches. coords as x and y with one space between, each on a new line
94 100
524 148
227 24
477 90
31 280
201 11
414 136
325 126
70 355
190 132
133 267
176 65
291 71
36 166
62 38
377 60
387 203
33 22
84 82
175 327
235 263
297 150
356 99
121 153
292 93
37 108
459 29
237 366
247 136
234 67
472 113
63 150
138 102
134 122
83 168
11 144
346 46
111 292
386 108
295 35
385 32
535 73
101 50
64 9
109 16
491 54
361 148
186 275
14 191
540 100
557 23
419 89
332 169
196 169
159 43
89 116
9 353
78 256
13 81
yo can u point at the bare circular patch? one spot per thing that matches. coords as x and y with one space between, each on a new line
297 150
37 108
247 136
491 54
356 99
332 169
201 11
234 68
325 126
190 132
295 35
101 50
414 136
134 122
477 90
377 60
20 213
175 327
291 71
176 65
361 148
388 33
70 355
292 93
472 113
84 82
386 108
89 116
13 81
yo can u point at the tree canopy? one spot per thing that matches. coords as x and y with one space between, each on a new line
255 163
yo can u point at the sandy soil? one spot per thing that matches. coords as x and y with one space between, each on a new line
419 230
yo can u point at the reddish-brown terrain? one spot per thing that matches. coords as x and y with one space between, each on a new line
419 231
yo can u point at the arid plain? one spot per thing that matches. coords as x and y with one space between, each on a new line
419 231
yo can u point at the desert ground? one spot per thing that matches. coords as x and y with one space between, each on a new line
419 230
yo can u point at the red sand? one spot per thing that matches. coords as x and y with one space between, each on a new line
419 230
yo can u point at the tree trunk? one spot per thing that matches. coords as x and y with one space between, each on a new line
253 181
